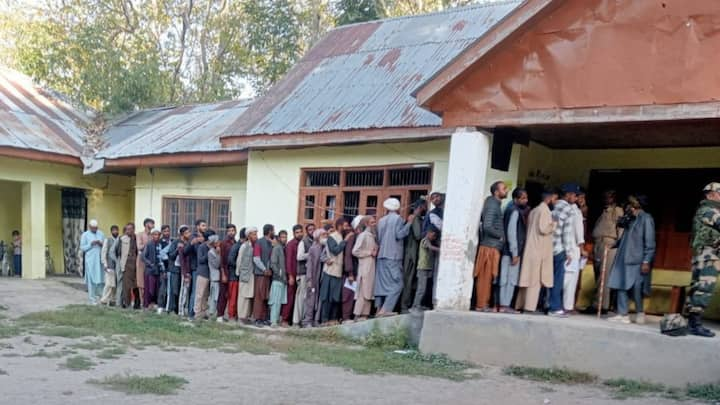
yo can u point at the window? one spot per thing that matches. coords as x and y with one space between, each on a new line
329 193
179 211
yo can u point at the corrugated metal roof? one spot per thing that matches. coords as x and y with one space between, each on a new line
192 128
38 119
361 76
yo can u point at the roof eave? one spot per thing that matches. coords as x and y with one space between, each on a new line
40 156
519 18
184 159
333 138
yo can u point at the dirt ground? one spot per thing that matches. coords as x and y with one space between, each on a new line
237 378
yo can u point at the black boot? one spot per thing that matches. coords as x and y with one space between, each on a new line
695 327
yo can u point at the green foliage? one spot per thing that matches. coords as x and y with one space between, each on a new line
378 361
395 339
550 375
142 327
78 363
625 388
136 385
111 353
705 392
356 11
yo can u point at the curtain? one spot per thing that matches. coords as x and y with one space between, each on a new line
74 210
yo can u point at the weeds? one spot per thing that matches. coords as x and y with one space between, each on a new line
550 375
91 345
377 361
624 388
704 392
136 385
51 355
78 363
142 328
396 339
111 353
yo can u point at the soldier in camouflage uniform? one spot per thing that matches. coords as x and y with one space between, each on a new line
706 259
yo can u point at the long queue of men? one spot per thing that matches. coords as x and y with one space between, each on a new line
527 261
341 272
534 257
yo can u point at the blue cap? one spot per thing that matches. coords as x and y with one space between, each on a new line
570 188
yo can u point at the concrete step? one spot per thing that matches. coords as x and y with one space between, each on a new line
579 343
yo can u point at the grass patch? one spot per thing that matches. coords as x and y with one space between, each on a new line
91 345
135 385
550 375
704 392
78 363
51 355
111 353
65 332
624 388
396 339
377 361
8 330
145 328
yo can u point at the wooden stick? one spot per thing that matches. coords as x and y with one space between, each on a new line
601 290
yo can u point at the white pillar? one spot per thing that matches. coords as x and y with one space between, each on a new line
469 154
33 230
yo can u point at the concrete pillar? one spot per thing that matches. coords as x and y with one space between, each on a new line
33 230
469 155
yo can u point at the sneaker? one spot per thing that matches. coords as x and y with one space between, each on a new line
260 324
160 311
640 318
558 314
695 327
620 319
220 319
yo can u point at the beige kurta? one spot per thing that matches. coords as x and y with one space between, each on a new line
537 261
142 240
365 245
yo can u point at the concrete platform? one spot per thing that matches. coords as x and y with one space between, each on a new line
587 344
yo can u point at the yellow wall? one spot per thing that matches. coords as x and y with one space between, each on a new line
225 182
575 165
274 176
38 205
53 226
9 210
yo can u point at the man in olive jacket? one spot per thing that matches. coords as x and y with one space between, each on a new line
487 262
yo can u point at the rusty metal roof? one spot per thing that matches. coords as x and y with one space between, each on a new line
362 76
191 128
38 119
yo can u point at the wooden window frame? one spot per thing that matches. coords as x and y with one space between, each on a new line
213 219
383 192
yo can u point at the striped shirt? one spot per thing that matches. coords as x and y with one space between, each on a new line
564 233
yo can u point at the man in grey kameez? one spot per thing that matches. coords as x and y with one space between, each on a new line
392 230
635 255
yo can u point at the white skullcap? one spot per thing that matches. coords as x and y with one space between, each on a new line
318 233
356 221
93 223
155 230
392 204
213 238
250 229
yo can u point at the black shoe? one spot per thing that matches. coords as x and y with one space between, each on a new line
695 327
260 324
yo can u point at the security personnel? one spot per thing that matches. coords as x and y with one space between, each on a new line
706 259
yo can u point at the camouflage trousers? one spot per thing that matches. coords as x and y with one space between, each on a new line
706 267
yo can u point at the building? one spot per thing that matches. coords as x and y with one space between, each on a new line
637 117
45 194
342 131
531 92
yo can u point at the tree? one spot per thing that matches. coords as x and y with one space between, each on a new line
355 11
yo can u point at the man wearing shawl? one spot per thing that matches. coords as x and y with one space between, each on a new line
392 231
91 244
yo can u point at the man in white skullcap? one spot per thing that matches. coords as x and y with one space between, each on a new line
392 230
244 269
91 244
